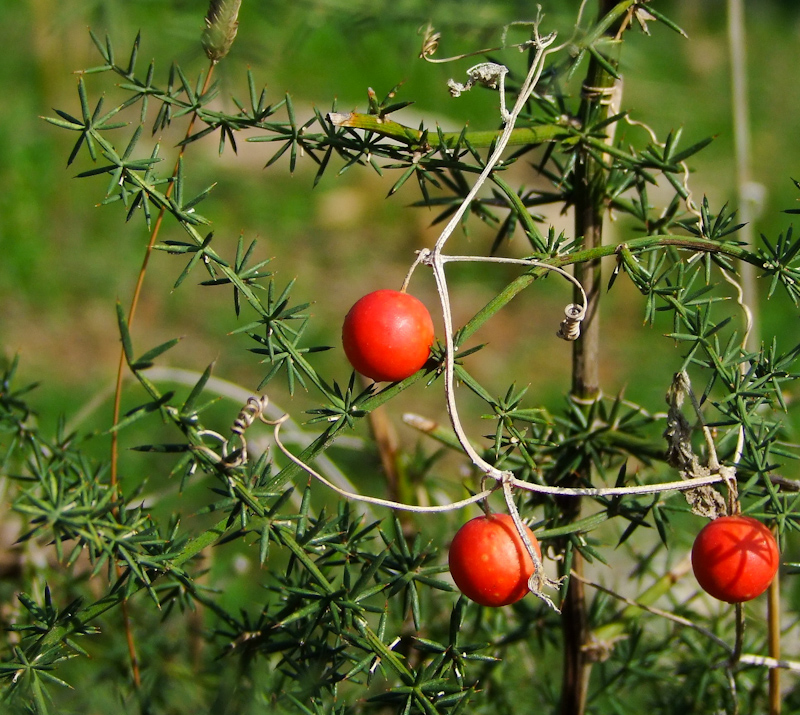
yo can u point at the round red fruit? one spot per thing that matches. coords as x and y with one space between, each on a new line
489 561
387 335
735 558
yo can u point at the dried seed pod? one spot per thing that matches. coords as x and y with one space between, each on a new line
222 23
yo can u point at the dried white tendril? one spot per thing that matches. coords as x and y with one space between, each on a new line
694 475
233 457
574 314
253 410
486 74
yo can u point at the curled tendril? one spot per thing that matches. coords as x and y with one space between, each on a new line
430 41
571 325
253 410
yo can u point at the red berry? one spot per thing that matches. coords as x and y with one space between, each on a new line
735 558
489 561
387 335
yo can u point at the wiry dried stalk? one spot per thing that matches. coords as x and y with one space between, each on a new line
132 313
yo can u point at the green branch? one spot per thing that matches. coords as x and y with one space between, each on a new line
422 138
638 245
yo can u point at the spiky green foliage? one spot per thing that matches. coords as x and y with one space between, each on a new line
350 613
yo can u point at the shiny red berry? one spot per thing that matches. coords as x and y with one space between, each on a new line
735 558
387 335
489 561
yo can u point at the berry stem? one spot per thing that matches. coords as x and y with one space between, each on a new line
774 643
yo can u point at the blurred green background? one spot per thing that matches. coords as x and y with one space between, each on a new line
65 260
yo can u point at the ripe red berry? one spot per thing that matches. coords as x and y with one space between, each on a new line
489 561
735 558
387 335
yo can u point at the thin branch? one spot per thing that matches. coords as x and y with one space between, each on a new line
521 136
538 579
121 367
744 659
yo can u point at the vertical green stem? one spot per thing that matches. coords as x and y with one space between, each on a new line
599 92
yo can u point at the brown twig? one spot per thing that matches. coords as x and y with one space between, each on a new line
385 438
774 643
137 291
599 86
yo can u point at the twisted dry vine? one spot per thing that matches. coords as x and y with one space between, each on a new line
436 259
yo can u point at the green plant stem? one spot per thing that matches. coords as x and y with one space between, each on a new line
739 641
521 136
638 245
